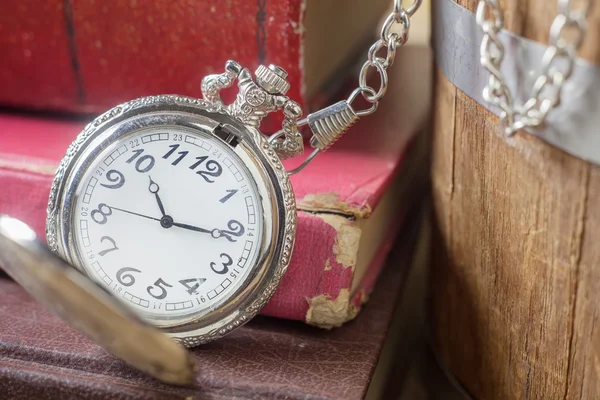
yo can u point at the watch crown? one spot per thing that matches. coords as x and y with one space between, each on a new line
272 79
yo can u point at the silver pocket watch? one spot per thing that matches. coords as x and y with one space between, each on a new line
181 208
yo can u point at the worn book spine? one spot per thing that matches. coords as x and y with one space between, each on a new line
321 287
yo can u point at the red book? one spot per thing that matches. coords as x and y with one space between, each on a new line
348 192
86 56
351 199
350 202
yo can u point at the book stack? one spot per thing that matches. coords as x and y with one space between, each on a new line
352 200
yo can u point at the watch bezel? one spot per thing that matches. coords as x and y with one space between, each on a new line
275 194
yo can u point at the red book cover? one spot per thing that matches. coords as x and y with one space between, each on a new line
351 199
86 56
337 196
340 196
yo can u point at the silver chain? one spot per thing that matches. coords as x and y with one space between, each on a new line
388 41
330 123
566 35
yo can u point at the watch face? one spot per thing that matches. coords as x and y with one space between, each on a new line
169 220
179 210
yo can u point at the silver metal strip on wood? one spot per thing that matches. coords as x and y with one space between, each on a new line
573 126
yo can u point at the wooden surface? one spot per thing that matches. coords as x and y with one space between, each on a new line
516 271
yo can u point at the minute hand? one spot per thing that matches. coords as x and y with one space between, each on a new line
134 213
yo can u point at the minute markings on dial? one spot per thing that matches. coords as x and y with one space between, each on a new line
222 208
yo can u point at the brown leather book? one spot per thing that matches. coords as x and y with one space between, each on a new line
42 358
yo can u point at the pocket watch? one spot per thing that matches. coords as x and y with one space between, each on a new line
181 207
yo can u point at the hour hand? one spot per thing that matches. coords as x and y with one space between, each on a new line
195 228
154 188
236 229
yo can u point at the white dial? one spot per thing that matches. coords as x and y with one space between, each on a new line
169 220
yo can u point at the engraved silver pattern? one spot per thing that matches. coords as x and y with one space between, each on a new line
256 99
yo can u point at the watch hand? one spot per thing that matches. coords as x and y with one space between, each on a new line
195 228
236 229
215 232
134 213
154 188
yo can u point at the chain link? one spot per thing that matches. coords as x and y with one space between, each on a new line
388 41
566 36
330 123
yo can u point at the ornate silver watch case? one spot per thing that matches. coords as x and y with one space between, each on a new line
235 124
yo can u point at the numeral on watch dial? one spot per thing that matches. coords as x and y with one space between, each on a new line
229 195
162 289
112 242
225 264
144 163
182 154
100 216
236 229
116 178
210 169
125 278
139 206
192 289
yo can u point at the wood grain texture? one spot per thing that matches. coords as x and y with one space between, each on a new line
515 282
